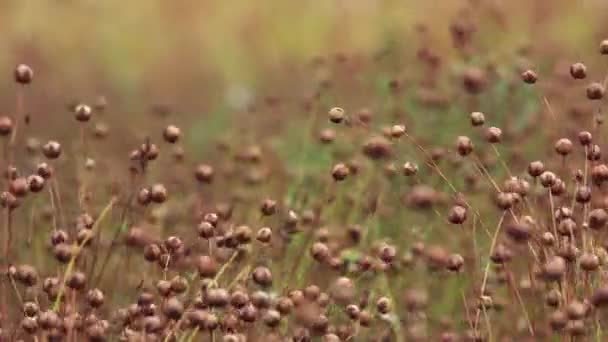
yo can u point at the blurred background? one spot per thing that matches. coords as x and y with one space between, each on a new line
196 54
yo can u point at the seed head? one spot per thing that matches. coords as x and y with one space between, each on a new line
377 147
397 131
536 168
6 125
51 150
158 193
268 207
204 173
493 135
35 183
23 74
207 266
554 269
464 145
455 262
578 71
477 119
171 134
585 138
604 47
262 276
83 113
340 172
457 214
595 91
548 179
264 235
529 77
563 146
598 219
336 115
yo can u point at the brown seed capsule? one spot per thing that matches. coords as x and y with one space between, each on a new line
95 298
171 134
477 119
493 135
336 115
35 183
173 308
6 125
474 80
563 146
48 320
271 318
26 275
23 74
583 194
589 262
604 47
536 168
268 207
558 320
340 172
553 298
455 262
578 71
207 266
529 77
409 169
377 147
598 219
327 136
595 91
44 170
83 113
204 173
319 251
30 309
457 214
152 252
519 231
464 145
158 193
397 131
19 187
51 150
554 269
143 196
585 138
600 296
594 153
76 280
547 179
264 235
262 276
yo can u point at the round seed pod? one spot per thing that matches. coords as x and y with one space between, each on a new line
519 232
83 113
554 269
455 262
595 91
173 309
171 134
600 296
529 77
76 280
264 235
336 115
268 207
158 193
589 262
51 150
95 298
207 266
464 145
536 168
6 125
262 276
35 183
598 219
477 119
340 172
585 138
563 146
23 74
457 214
397 131
19 187
493 135
578 71
604 47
